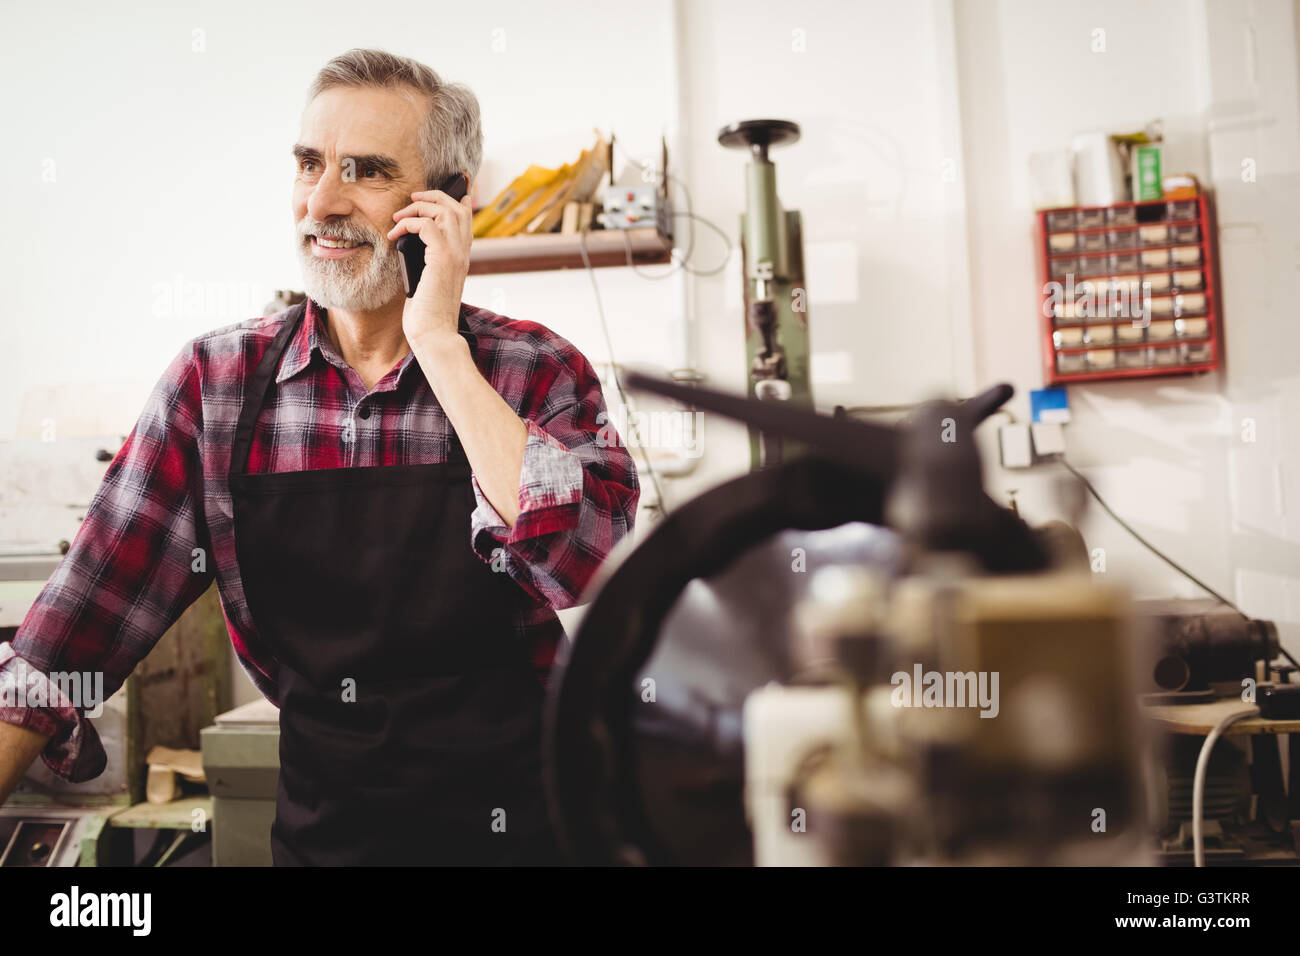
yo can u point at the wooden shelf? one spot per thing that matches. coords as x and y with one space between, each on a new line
552 250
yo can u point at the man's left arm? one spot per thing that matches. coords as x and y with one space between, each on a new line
555 491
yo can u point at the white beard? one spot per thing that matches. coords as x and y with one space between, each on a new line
363 282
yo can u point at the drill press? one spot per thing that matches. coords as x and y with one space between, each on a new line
775 296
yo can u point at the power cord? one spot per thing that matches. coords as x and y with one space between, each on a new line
1203 760
613 369
600 308
1198 781
690 246
1157 552
691 217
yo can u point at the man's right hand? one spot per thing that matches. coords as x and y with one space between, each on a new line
18 748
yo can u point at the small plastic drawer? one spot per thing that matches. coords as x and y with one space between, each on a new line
1090 218
1099 360
1122 262
1065 313
1156 258
1161 331
1156 282
1162 305
1099 335
1181 209
1060 220
1189 232
1121 216
1192 328
1185 255
1061 242
1062 267
1068 363
1133 358
1093 266
1154 235
1190 303
1189 279
1165 356
1070 338
1092 242
1197 354
1128 333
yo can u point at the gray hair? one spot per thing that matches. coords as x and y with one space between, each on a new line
452 138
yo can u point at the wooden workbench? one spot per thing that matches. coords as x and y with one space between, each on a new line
1200 719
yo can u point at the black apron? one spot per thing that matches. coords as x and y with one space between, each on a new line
410 716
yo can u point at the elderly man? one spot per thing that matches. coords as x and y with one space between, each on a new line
393 495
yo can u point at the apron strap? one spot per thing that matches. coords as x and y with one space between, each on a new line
260 386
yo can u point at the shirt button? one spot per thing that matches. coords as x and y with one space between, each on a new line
364 413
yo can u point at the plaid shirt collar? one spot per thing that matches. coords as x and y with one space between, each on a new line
311 338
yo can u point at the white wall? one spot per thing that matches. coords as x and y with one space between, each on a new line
1030 79
1167 453
888 94
171 169
871 87
1253 119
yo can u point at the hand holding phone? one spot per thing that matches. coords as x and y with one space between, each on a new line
412 247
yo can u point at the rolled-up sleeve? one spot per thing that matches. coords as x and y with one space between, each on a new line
578 494
138 561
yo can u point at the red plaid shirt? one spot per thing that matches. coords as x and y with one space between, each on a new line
130 572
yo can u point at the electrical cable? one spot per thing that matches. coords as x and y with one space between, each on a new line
1160 554
600 308
690 246
613 369
1198 781
1147 544
691 216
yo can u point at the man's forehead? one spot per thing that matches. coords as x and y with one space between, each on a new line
360 120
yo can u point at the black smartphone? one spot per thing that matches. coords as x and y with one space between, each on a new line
412 246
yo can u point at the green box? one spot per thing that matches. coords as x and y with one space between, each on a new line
1147 181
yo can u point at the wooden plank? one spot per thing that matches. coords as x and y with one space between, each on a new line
180 686
176 815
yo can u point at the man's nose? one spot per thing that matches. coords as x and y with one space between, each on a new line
330 196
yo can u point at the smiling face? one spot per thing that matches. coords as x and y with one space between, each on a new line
358 161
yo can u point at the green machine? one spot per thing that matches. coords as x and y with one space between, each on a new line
776 298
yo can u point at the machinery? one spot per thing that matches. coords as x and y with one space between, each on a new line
1203 656
855 656
776 299
637 205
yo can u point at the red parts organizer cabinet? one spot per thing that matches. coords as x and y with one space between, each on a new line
1128 291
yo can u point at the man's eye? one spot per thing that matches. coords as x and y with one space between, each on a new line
369 170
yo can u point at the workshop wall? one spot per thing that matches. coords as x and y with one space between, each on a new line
184 131
920 282
1167 454
874 176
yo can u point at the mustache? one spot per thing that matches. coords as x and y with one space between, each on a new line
347 230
